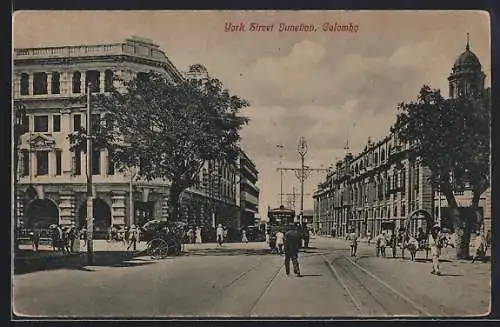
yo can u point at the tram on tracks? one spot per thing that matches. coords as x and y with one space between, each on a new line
279 219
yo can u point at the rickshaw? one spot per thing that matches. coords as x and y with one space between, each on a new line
389 228
163 238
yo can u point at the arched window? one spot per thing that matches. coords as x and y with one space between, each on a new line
25 82
108 80
55 83
92 77
376 158
382 155
77 82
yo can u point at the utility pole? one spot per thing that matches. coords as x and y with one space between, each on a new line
90 193
293 197
303 172
281 146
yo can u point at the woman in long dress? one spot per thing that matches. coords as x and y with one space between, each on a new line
244 236
198 235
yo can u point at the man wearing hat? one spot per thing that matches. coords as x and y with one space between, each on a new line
292 245
435 244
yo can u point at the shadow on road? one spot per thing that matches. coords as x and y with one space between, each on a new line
24 264
222 251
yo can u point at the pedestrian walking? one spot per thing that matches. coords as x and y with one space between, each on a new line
369 237
132 242
480 247
220 235
306 236
198 239
292 246
353 238
280 241
72 234
35 239
381 243
435 244
244 236
267 237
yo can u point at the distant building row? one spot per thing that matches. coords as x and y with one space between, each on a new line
385 183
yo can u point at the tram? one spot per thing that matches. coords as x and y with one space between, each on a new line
279 219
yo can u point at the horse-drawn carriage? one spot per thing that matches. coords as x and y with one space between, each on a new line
163 238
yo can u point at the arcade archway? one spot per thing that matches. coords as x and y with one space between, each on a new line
41 213
422 215
102 217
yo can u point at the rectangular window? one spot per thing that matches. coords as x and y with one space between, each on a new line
96 162
26 163
42 163
39 83
56 123
42 124
77 122
111 164
56 83
77 163
25 82
58 163
26 123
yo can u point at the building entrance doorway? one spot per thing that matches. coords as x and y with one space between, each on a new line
41 213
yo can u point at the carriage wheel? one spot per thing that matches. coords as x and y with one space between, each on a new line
157 248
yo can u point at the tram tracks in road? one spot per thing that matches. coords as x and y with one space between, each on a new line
219 290
371 295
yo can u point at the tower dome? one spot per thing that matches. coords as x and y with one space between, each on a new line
467 59
466 76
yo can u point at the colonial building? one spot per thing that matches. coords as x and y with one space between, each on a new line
50 83
386 183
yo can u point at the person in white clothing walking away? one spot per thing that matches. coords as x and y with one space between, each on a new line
220 235
280 241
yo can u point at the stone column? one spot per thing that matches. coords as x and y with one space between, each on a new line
104 162
66 157
30 83
16 84
83 87
102 76
66 208
32 164
118 208
49 83
52 163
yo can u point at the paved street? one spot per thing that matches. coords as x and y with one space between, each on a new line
245 280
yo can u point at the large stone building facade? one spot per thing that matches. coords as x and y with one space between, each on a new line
50 83
385 183
249 191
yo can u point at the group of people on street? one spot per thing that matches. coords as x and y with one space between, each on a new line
194 235
129 235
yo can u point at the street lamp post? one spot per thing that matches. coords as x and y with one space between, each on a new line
281 146
90 193
302 149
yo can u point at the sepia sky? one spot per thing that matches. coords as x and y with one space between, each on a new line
320 85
